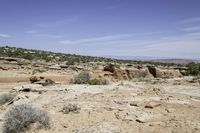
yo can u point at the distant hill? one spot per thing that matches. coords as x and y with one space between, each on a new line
48 56
176 61
156 59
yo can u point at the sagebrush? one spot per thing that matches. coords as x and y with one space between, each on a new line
20 118
70 108
97 82
4 98
82 78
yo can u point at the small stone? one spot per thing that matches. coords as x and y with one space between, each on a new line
117 115
134 103
109 108
120 109
133 94
152 104
129 118
140 120
170 110
151 125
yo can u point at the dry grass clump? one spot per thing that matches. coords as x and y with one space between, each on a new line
20 118
7 97
70 108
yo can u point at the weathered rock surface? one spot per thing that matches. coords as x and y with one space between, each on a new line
127 73
164 73
152 104
103 127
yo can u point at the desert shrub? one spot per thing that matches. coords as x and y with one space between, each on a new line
70 108
82 78
4 98
28 56
94 82
19 119
97 82
193 69
34 79
70 62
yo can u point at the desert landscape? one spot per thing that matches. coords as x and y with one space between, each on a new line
99 96
99 66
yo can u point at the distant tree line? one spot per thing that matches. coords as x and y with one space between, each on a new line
70 59
193 69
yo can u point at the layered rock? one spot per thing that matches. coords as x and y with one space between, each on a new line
127 73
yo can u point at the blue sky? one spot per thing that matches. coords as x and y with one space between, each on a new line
155 28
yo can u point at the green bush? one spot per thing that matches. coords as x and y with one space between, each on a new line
4 98
20 118
82 78
97 82
70 62
94 82
28 56
193 69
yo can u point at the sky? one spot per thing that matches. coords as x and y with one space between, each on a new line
148 28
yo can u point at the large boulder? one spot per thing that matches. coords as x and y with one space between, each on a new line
164 73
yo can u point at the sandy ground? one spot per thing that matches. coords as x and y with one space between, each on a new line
107 108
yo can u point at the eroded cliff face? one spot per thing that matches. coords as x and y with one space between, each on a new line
130 72
164 72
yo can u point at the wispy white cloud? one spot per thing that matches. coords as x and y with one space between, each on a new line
96 39
49 35
36 33
4 35
174 45
191 29
194 34
32 31
120 38
190 20
58 23
182 46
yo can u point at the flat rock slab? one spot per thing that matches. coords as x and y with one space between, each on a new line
191 91
28 87
152 104
103 127
141 116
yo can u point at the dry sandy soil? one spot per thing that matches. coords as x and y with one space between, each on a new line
135 106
